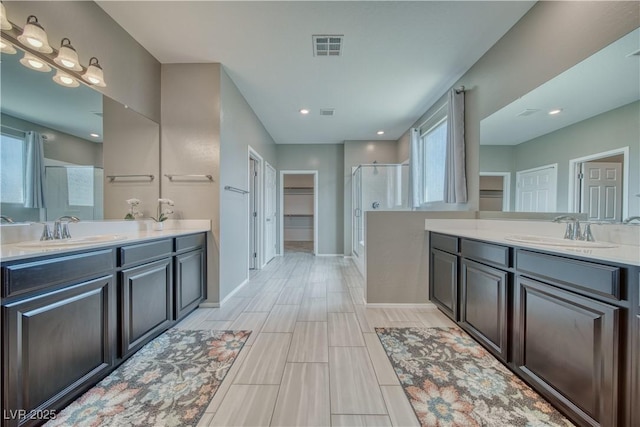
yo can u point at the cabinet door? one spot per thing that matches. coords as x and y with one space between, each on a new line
57 344
146 296
568 350
444 282
483 305
189 282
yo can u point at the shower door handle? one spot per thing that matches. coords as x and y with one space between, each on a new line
357 212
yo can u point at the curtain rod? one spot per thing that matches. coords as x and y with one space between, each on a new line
22 131
460 89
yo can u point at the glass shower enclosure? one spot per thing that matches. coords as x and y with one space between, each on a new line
382 187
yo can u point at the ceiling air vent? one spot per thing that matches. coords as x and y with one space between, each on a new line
327 45
528 112
327 112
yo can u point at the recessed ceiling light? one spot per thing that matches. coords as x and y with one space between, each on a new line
304 111
556 111
380 132
95 135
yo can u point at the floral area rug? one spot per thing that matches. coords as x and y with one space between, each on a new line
451 380
169 382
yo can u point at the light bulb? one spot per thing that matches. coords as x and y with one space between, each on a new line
34 42
35 64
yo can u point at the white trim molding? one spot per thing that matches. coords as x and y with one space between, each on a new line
573 173
235 291
426 305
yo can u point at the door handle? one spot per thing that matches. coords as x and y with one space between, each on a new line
268 219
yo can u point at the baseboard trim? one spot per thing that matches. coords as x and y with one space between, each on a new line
209 305
427 305
235 291
329 254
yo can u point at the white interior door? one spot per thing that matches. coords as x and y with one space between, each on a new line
536 189
270 213
601 191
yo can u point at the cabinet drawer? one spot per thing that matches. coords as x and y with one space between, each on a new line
586 277
189 243
444 243
25 277
144 252
487 252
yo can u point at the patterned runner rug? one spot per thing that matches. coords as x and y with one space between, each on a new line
169 382
451 380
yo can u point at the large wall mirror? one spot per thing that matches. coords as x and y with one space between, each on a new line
572 144
74 124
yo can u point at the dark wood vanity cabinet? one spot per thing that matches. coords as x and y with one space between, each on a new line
569 347
55 345
146 294
483 305
635 356
443 283
569 327
68 320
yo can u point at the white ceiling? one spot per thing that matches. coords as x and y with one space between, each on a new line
606 80
398 57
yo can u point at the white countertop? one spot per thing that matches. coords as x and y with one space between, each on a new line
483 230
128 234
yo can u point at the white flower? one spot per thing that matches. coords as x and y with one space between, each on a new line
166 202
133 202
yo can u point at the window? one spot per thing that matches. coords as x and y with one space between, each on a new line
12 172
434 143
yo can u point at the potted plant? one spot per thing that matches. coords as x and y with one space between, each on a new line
133 209
162 214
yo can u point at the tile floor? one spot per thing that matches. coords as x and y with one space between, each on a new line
313 358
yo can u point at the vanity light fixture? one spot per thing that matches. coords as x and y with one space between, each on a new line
34 36
94 74
556 111
304 111
64 79
6 47
4 22
380 132
67 56
30 61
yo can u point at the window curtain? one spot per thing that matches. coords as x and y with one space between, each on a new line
34 171
455 180
417 169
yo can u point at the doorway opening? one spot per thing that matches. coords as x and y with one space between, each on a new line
255 209
495 191
597 184
299 212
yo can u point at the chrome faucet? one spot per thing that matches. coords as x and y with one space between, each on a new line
572 232
61 229
631 219
7 219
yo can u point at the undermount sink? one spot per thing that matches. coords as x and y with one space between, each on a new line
553 241
88 240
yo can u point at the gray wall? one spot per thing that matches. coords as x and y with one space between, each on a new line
132 74
613 129
239 129
549 39
398 256
328 160
190 144
356 153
